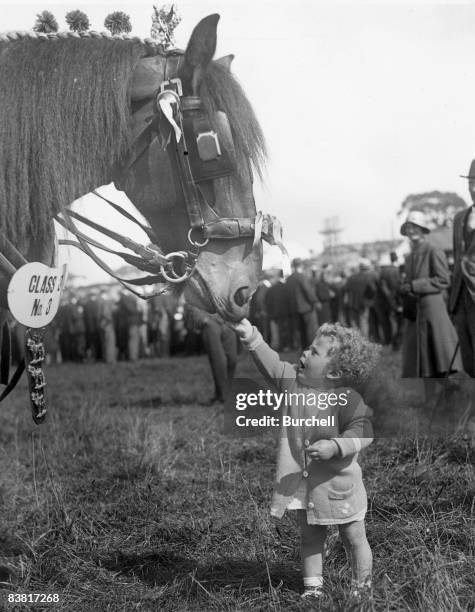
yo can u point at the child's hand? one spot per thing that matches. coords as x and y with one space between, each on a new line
243 329
323 450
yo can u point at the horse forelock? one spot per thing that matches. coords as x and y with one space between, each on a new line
64 122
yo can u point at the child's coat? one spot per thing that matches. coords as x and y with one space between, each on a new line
334 491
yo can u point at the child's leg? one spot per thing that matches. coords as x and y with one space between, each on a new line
311 547
356 544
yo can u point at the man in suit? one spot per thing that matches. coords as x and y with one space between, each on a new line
277 306
462 295
360 292
302 300
390 301
221 346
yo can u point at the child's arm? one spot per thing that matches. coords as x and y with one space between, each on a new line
355 425
267 360
351 440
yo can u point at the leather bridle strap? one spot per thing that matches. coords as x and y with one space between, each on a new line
6 265
83 245
229 227
13 380
147 254
10 257
190 190
145 228
9 269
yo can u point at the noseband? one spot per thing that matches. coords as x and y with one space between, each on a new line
184 130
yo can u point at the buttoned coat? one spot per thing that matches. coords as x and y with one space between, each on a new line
464 261
429 342
335 489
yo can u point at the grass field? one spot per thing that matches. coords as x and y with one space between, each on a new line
131 497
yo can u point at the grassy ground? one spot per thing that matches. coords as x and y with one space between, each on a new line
130 497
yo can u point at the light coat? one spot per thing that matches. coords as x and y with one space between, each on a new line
335 490
429 342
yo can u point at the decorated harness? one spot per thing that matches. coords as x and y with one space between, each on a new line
197 155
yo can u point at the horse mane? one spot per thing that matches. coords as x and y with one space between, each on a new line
64 122
220 91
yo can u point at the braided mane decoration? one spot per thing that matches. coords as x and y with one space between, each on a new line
152 47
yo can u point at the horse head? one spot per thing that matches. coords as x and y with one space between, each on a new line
97 100
227 269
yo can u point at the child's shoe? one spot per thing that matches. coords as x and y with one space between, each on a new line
312 593
361 591
312 587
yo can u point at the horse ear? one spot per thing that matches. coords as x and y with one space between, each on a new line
225 61
200 51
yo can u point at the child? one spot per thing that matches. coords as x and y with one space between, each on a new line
317 470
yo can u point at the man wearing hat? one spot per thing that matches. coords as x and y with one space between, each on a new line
462 295
429 339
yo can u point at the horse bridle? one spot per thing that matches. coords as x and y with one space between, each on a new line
165 117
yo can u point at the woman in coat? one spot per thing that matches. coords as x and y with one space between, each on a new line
429 339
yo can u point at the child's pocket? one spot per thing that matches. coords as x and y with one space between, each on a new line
342 503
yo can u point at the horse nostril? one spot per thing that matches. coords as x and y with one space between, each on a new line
242 296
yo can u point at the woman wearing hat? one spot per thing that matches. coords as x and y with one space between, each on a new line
429 339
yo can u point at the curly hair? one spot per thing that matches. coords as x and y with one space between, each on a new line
352 355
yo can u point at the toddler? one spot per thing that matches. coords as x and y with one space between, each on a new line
318 475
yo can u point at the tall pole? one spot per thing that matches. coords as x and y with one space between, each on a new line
330 232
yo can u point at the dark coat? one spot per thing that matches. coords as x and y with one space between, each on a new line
257 308
302 296
360 290
324 295
389 284
464 260
429 342
277 301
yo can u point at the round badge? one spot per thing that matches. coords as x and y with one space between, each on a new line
34 293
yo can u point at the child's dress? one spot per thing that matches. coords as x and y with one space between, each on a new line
331 491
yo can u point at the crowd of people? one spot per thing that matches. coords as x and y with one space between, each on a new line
93 325
288 312
415 305
423 305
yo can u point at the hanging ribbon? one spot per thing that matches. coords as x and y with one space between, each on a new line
166 100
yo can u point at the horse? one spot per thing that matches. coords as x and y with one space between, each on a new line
78 111
71 107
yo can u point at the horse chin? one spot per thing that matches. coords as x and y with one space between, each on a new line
198 293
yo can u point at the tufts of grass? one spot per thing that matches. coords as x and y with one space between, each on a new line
131 497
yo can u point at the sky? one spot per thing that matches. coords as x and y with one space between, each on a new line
361 103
